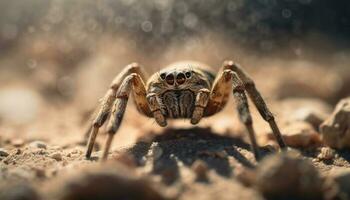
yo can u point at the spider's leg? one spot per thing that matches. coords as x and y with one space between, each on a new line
220 92
218 98
101 117
132 82
107 103
257 99
244 113
201 102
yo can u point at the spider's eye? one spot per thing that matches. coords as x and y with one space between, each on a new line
170 79
180 78
162 76
188 74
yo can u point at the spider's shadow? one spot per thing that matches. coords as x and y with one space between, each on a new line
189 145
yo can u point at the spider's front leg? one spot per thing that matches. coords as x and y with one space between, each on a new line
257 99
118 110
115 102
225 80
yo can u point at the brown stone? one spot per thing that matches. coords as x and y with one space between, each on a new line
336 130
285 176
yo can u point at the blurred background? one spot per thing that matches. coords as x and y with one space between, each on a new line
58 57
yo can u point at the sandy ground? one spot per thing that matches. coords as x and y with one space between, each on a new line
42 136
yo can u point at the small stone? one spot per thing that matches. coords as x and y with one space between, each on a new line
109 181
200 168
38 144
3 152
40 173
17 142
336 130
169 175
326 153
155 151
18 151
56 156
283 176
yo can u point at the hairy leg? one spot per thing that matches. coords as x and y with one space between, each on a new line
225 81
257 100
118 110
244 113
220 92
107 103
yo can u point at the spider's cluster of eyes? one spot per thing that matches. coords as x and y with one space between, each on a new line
180 77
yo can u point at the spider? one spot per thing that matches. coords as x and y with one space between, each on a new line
186 89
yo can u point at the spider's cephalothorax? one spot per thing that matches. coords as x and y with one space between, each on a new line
177 86
182 90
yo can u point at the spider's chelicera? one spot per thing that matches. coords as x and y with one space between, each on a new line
182 90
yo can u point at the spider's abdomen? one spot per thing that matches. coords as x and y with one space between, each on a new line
177 103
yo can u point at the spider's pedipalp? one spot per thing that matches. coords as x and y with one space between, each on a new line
156 109
201 103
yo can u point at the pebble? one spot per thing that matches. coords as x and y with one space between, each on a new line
200 168
38 144
326 153
282 176
40 173
18 151
155 151
17 142
335 129
3 152
109 181
56 156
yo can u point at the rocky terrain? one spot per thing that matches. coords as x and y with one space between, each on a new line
212 160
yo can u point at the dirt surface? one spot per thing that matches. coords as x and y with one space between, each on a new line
209 161
42 143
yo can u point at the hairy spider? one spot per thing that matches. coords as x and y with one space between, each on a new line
184 89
